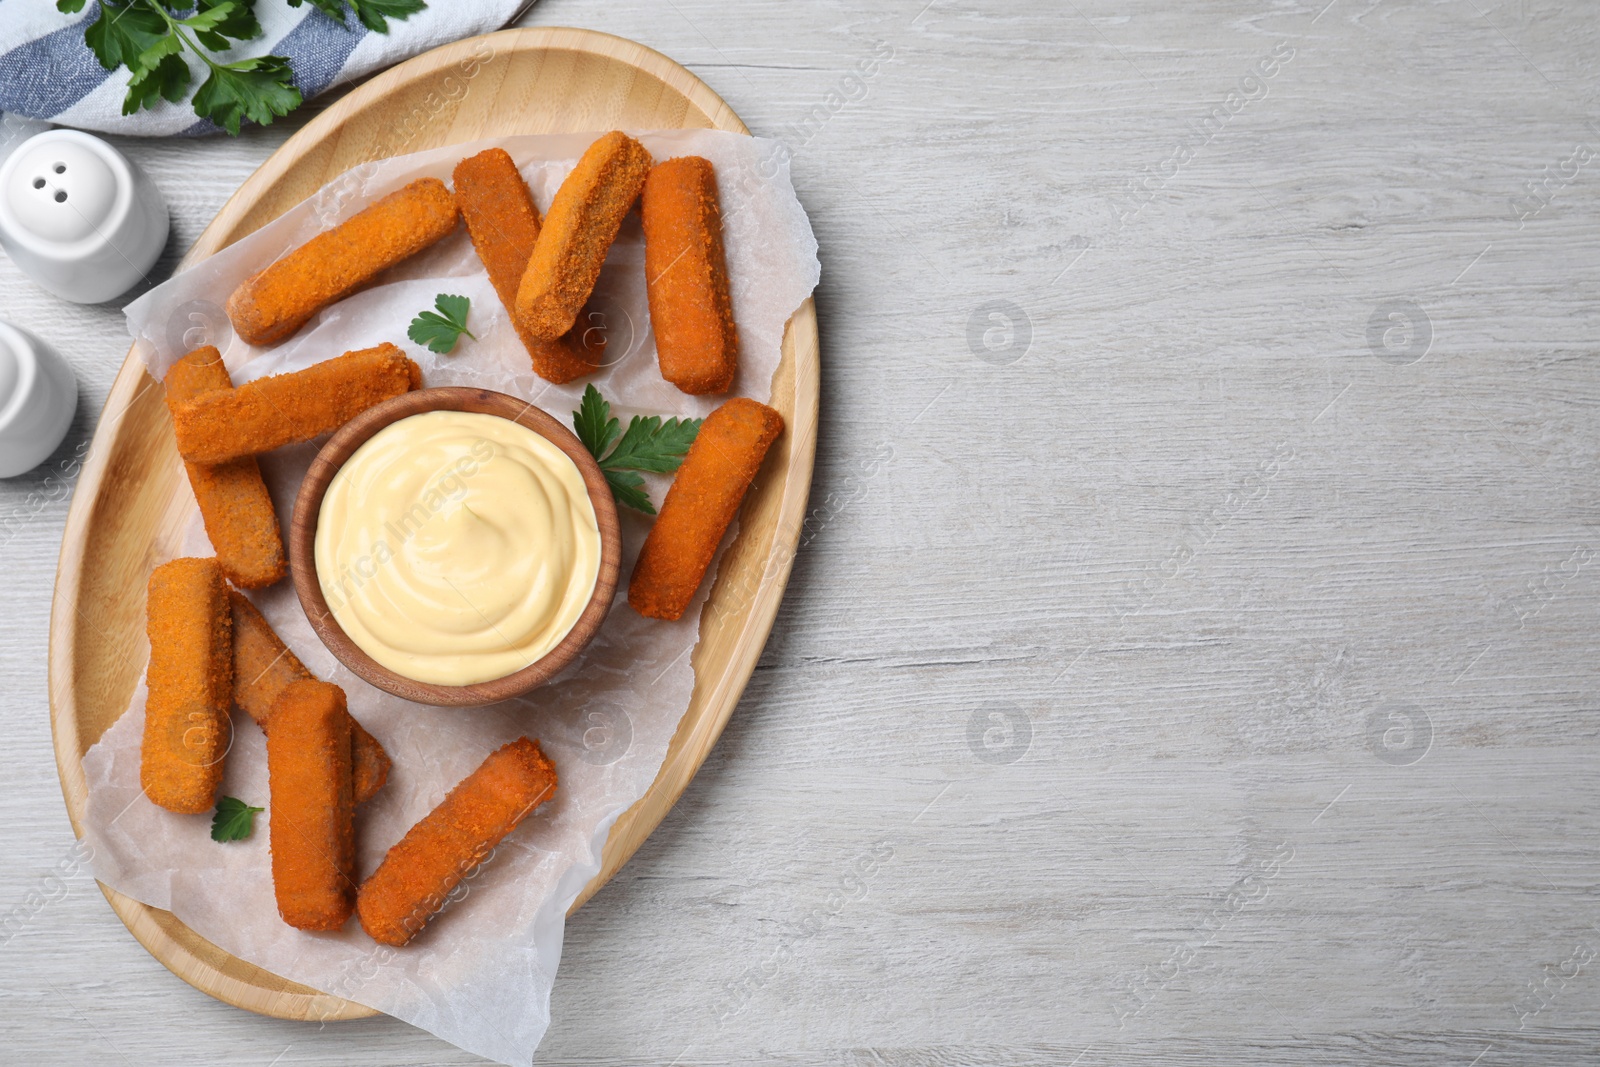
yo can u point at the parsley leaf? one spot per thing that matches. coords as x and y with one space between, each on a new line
627 488
441 331
234 820
122 33
166 46
334 9
648 445
258 89
167 79
596 428
207 19
373 14
215 21
653 445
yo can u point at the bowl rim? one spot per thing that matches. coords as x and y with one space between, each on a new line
355 433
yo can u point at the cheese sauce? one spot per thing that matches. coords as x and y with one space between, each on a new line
455 547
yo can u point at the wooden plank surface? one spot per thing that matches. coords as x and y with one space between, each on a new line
1211 683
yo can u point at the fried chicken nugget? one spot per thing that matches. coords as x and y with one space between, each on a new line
263 667
279 300
582 222
311 813
722 462
234 502
417 874
288 408
687 276
190 677
504 224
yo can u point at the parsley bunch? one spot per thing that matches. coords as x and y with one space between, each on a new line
648 445
149 37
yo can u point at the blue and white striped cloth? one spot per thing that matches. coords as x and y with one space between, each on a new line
46 71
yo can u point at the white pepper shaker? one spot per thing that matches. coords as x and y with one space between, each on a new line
79 217
38 395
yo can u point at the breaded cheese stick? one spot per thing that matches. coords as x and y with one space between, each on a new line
686 275
288 408
504 224
705 494
279 300
417 874
578 230
311 808
234 503
263 667
190 677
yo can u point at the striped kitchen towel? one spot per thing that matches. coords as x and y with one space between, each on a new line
46 71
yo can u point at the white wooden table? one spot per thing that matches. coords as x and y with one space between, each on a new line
1193 659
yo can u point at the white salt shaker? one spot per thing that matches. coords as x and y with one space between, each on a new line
79 217
38 395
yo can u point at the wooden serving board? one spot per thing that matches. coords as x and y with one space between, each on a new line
132 499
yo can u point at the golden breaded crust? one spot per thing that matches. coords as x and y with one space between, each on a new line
190 681
311 807
418 873
504 224
686 275
263 667
234 503
279 300
701 503
288 408
579 228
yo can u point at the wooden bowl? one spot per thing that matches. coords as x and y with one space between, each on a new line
355 433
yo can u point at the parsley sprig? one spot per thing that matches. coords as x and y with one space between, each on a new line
150 37
648 445
442 329
234 820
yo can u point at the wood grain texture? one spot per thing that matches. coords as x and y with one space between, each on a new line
979 528
128 506
355 433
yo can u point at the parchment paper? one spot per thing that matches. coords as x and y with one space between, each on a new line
480 975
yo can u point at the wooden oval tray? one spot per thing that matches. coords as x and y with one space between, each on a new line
132 500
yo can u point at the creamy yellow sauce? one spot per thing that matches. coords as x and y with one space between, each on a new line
455 547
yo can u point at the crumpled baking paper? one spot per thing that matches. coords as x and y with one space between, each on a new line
480 975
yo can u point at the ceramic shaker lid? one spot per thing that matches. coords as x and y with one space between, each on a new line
61 191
